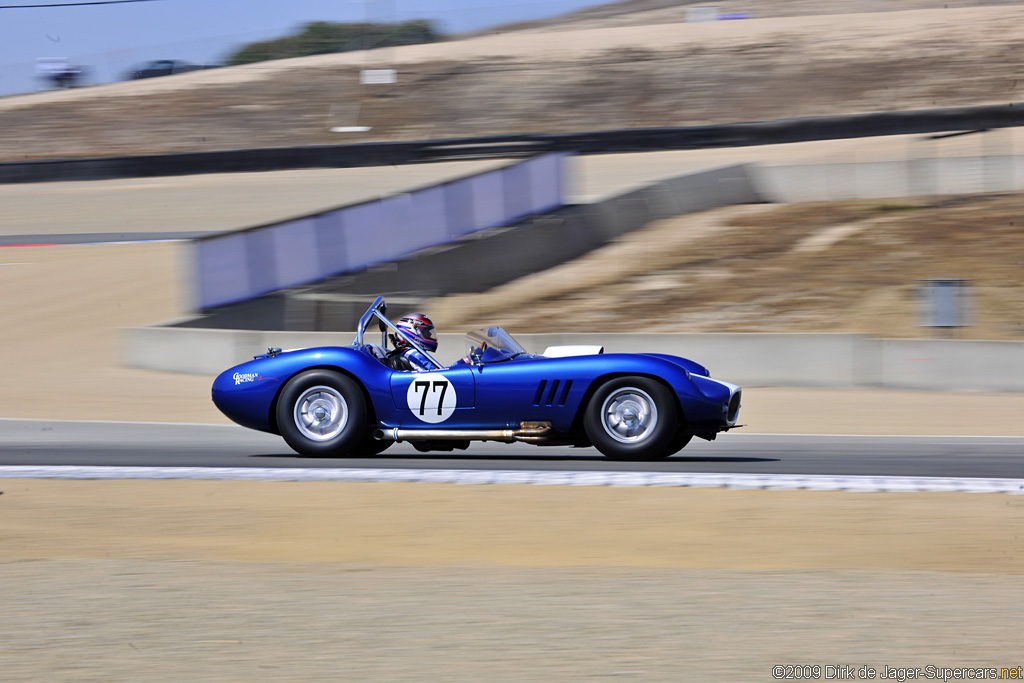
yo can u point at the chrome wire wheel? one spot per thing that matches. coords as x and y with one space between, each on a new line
320 413
629 415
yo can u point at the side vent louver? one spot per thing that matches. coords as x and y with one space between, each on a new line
565 392
540 392
552 392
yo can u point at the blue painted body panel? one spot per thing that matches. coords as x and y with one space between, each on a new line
250 402
695 368
492 395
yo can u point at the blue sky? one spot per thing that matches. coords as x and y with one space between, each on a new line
110 38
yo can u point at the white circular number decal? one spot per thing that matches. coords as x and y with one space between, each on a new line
431 397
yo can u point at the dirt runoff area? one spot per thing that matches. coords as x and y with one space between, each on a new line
633 68
151 581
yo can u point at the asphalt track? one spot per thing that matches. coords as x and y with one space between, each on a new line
134 444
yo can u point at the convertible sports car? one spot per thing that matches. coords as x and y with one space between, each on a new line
356 400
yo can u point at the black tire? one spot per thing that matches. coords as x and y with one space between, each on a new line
678 443
631 418
322 414
370 446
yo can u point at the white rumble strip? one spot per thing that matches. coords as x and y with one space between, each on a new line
810 482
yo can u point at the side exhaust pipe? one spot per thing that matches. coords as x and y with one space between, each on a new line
530 432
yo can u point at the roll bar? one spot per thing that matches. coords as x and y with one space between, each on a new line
377 310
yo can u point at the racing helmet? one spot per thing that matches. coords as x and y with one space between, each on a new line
420 329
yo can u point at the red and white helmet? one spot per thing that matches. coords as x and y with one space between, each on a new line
420 329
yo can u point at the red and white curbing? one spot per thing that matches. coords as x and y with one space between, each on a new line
809 482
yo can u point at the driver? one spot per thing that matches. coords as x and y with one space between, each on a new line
421 330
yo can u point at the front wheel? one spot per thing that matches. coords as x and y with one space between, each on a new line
631 418
678 442
322 413
370 446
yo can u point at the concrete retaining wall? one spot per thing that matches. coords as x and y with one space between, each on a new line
835 361
488 258
806 360
935 364
494 257
889 179
242 265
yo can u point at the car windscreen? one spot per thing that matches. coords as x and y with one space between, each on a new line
494 338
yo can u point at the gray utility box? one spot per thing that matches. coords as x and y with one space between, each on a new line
944 303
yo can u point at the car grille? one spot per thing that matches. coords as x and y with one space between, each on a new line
734 406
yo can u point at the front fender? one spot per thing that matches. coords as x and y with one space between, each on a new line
707 404
691 366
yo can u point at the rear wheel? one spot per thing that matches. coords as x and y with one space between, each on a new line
631 418
322 413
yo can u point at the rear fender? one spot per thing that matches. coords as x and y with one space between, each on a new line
249 393
272 417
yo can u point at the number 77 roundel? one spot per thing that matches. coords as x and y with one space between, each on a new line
431 397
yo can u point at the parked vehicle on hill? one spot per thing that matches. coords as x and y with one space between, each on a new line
357 401
163 67
56 71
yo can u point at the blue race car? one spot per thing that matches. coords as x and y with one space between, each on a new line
357 400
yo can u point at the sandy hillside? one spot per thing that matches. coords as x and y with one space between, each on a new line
599 73
649 12
829 267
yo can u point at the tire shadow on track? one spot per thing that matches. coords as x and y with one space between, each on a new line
468 457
